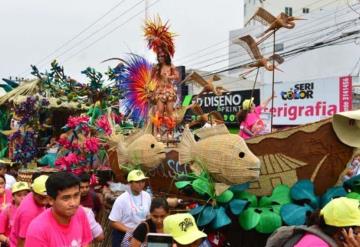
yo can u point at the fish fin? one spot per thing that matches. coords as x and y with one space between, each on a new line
195 168
130 139
220 188
185 146
213 131
122 154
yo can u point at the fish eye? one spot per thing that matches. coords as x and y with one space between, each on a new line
241 155
152 145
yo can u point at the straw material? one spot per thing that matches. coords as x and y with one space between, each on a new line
31 88
347 127
27 88
138 149
225 156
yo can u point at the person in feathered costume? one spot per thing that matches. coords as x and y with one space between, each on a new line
160 40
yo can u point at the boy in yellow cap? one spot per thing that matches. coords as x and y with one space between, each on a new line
19 191
31 206
130 208
183 228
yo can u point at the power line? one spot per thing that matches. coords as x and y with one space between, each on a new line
301 34
228 45
100 29
108 33
81 32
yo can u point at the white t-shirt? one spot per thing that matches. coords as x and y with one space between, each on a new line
95 227
131 210
10 180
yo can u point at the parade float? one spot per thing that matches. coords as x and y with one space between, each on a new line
238 190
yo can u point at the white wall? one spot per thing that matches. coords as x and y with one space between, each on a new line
277 6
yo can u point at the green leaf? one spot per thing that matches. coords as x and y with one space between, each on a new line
331 193
182 184
251 198
265 201
197 210
237 206
303 191
269 221
203 187
353 195
206 216
221 218
249 219
225 197
293 214
280 195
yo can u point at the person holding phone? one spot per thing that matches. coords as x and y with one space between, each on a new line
183 229
159 209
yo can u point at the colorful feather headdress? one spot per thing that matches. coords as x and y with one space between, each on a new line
158 36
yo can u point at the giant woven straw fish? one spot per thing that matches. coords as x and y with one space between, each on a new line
139 149
225 156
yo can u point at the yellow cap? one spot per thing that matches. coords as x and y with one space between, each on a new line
19 186
182 228
342 212
38 186
136 175
246 105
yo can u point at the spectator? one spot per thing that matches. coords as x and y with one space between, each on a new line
337 224
64 223
130 208
5 194
10 180
97 232
89 198
19 191
32 205
183 229
159 209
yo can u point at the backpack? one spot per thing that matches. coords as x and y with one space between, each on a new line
288 236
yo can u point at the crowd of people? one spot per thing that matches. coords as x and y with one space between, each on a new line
62 210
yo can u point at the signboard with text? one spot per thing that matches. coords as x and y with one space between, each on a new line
309 101
228 104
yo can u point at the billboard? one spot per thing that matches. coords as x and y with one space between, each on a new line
309 101
227 104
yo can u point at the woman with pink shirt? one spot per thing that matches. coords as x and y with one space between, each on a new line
249 118
5 194
19 191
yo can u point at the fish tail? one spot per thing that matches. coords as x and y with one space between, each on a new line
185 146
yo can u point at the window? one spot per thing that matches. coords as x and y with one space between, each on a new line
288 11
306 10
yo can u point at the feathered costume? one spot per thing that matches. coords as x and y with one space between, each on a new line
158 36
138 86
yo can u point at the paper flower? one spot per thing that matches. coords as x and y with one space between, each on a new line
76 121
91 145
103 123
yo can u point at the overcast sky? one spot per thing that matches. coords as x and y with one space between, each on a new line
33 29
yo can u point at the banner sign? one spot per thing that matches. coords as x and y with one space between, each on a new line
309 101
228 104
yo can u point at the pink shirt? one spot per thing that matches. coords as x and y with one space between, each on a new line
45 231
25 213
7 219
5 199
311 240
250 120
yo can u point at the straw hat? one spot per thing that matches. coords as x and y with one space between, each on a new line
347 127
